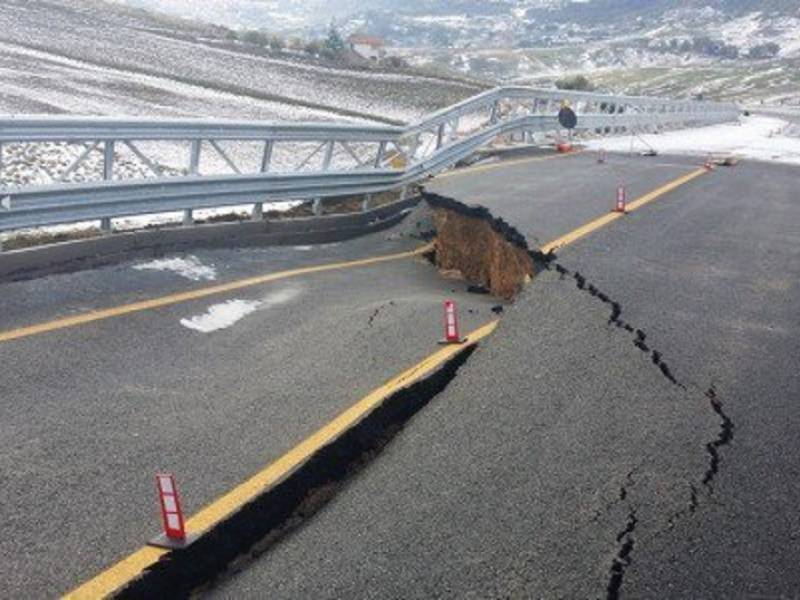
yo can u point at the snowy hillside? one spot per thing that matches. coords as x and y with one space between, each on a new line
89 57
677 47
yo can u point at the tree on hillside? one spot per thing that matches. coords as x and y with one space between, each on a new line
576 82
334 42
257 38
277 43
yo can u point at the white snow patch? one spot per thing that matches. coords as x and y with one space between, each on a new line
221 316
303 248
189 267
756 138
226 314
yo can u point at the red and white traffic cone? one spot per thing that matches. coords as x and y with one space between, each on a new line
451 333
622 197
174 535
709 166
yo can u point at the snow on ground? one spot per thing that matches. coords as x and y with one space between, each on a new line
188 267
221 316
226 314
755 138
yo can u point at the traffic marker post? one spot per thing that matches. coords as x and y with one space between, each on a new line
622 196
174 536
564 147
602 157
451 333
709 163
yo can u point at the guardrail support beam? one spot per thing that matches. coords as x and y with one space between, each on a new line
379 157
194 157
266 157
108 160
326 161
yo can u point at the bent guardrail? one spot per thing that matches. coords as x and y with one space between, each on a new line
104 168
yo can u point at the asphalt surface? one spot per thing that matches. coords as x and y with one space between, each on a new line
567 461
89 414
548 198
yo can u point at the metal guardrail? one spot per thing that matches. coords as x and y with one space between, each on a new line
289 161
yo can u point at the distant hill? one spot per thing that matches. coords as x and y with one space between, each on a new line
729 49
92 57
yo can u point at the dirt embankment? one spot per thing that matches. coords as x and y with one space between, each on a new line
486 251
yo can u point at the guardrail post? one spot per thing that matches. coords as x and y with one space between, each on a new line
108 160
258 212
379 157
188 217
316 207
493 117
194 157
440 136
105 225
326 161
366 203
266 157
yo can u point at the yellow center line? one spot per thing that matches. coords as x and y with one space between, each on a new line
504 163
197 294
131 567
585 230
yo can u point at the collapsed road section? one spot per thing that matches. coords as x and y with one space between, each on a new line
258 526
468 243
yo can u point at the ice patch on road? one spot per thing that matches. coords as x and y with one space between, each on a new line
226 314
189 267
221 316
756 138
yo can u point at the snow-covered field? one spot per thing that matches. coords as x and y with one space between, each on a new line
754 138
89 57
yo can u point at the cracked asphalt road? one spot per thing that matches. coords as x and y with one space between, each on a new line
562 461
89 414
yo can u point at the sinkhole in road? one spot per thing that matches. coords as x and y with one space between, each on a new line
471 244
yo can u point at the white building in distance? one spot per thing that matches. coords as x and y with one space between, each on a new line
368 46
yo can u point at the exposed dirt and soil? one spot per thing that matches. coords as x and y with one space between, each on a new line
487 252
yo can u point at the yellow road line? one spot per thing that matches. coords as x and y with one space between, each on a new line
504 163
126 309
125 571
585 230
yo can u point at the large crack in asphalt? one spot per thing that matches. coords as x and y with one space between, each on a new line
624 558
639 339
280 510
725 437
639 336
